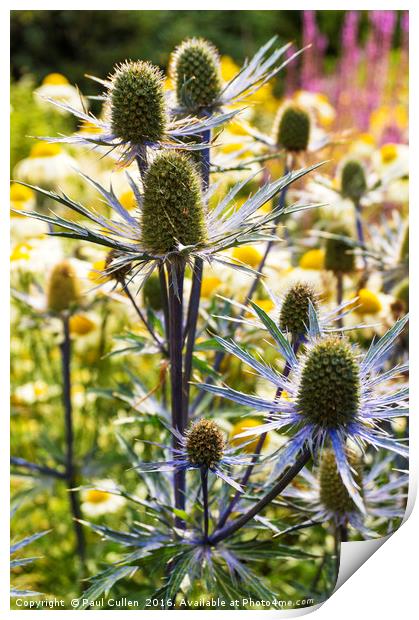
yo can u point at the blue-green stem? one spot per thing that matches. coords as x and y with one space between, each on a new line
204 485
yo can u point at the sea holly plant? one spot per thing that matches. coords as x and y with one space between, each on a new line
206 511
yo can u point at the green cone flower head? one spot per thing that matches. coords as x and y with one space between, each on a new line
195 70
152 294
173 209
339 256
333 493
294 310
63 287
329 390
292 128
205 443
117 274
353 181
137 102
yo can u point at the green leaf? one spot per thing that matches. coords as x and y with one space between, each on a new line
103 582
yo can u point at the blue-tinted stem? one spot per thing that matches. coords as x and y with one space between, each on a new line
204 485
360 230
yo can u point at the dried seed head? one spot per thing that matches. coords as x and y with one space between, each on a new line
195 70
333 494
63 287
329 389
294 311
339 253
353 182
152 294
137 102
205 443
116 273
173 210
292 128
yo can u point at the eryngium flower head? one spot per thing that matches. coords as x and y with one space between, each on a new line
152 293
205 444
353 181
294 310
333 494
137 102
195 70
292 128
173 210
111 265
339 255
63 287
329 389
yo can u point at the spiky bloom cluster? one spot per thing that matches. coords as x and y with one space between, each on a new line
353 181
329 390
173 210
195 70
293 317
205 444
137 103
63 287
339 256
152 293
117 273
292 129
333 494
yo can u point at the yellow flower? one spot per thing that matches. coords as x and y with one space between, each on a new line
96 272
313 259
241 427
21 251
367 302
55 79
388 153
94 496
20 193
44 149
81 325
247 254
228 68
89 127
367 138
127 200
209 284
266 304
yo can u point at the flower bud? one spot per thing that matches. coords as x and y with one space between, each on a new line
116 273
333 494
294 310
152 294
173 210
63 287
137 103
195 70
329 389
353 182
205 444
292 128
339 253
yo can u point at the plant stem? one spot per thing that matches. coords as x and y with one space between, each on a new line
190 333
360 230
16 461
339 294
280 485
70 473
204 484
176 272
165 299
143 318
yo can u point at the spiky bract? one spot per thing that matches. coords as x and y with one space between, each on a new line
137 103
333 494
353 181
195 70
339 255
329 390
292 129
205 444
173 211
294 310
63 287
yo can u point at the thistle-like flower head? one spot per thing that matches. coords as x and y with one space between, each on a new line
339 255
333 493
63 288
195 71
137 102
292 128
205 443
294 317
353 181
173 210
118 273
329 389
